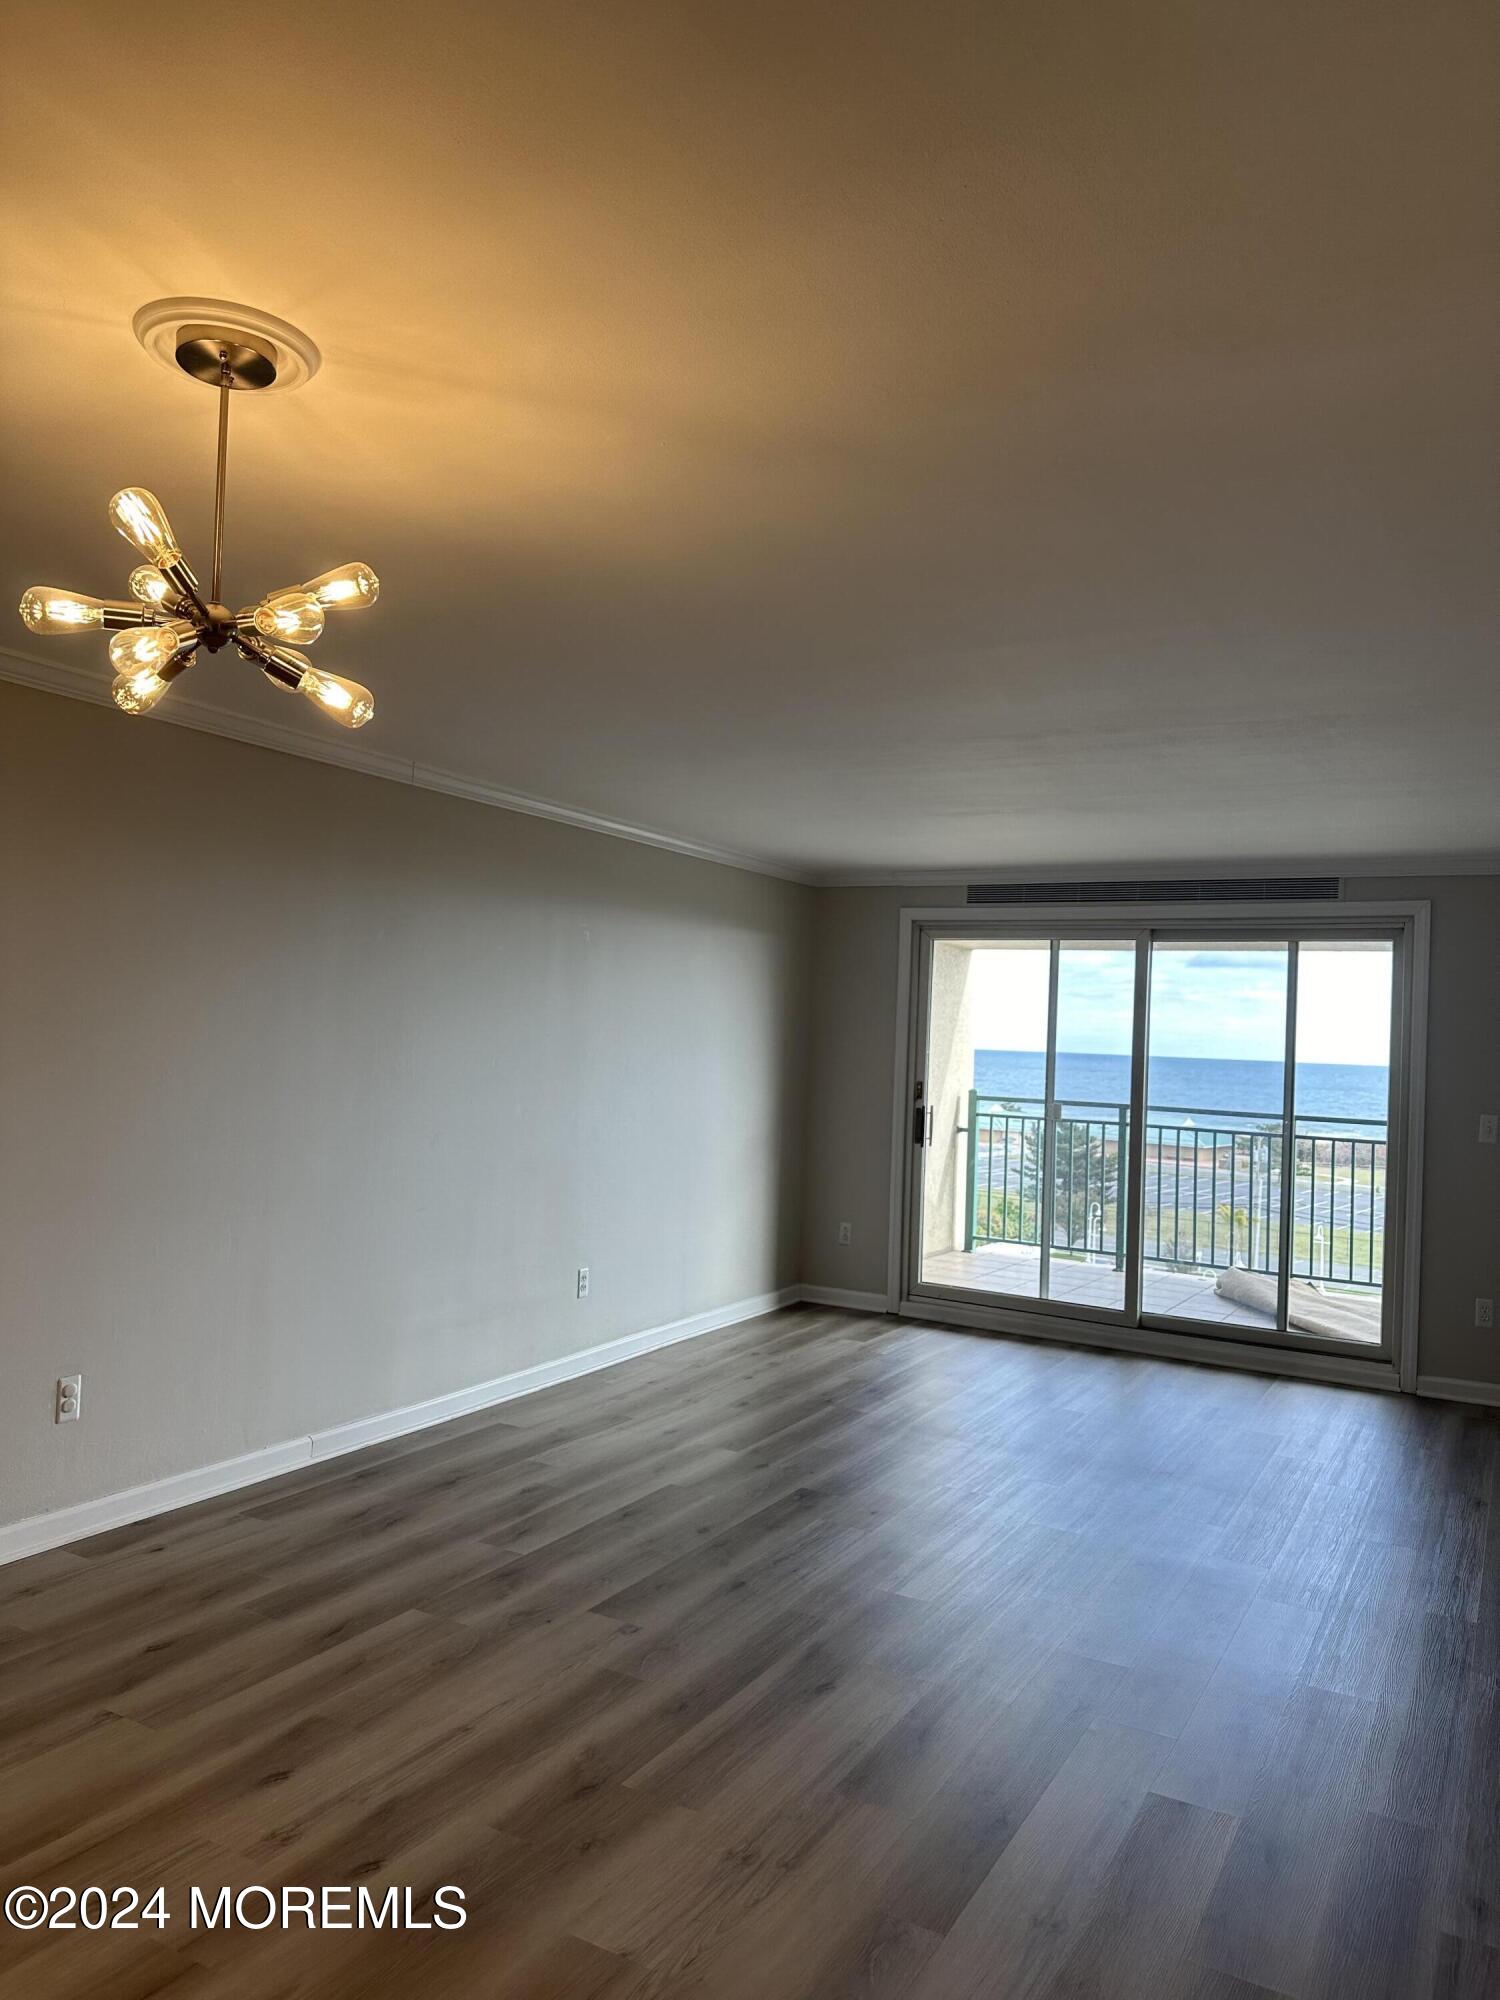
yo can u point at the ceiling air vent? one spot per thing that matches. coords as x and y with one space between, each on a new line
1205 889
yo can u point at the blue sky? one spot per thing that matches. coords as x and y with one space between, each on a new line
1220 1002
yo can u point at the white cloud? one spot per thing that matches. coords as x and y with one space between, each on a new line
1217 1003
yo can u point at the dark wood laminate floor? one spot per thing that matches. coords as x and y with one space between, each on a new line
826 1656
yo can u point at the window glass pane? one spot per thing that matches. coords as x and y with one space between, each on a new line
1211 1237
1091 1122
1342 1103
986 1074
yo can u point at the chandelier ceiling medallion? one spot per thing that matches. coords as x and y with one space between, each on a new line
160 629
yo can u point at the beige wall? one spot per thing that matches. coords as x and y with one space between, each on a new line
315 1090
849 1136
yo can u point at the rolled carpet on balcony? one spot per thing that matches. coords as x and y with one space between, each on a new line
1308 1309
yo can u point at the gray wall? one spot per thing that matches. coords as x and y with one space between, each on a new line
315 1089
849 1136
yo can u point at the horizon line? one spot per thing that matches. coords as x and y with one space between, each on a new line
1123 1055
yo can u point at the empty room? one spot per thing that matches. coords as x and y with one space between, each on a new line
749 933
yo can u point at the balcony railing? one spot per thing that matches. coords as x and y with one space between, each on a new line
1212 1186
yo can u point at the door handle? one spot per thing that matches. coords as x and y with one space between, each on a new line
919 1117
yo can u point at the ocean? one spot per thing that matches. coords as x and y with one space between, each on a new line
1325 1091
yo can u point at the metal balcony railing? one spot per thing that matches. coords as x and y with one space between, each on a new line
1212 1186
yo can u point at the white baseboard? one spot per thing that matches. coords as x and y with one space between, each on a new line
135 1503
1459 1389
526 1381
831 1295
31 1536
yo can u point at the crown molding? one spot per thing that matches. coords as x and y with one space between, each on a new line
1364 866
77 682
458 786
62 676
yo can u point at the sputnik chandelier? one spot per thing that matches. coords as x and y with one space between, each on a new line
159 631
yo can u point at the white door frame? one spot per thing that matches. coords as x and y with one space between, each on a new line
1411 919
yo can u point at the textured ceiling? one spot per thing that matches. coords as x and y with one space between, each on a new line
862 436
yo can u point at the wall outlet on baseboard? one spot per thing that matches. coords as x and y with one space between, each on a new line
1484 1312
69 1399
846 1232
583 1281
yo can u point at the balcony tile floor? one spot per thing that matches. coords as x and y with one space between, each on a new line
1014 1270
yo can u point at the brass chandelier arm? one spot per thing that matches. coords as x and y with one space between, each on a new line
120 616
261 653
183 581
183 660
246 636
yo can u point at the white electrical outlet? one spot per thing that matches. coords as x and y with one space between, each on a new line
1484 1312
69 1399
583 1281
846 1232
1489 1127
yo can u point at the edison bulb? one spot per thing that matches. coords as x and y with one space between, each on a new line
292 617
345 589
346 701
142 520
138 691
150 586
47 610
150 646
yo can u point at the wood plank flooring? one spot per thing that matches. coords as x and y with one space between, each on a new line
826 1656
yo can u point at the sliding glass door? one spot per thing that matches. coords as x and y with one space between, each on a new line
1189 1128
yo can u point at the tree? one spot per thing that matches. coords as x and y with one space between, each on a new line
1085 1181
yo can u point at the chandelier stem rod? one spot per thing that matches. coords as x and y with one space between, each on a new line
225 381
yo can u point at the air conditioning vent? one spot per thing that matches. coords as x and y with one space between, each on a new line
1197 889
